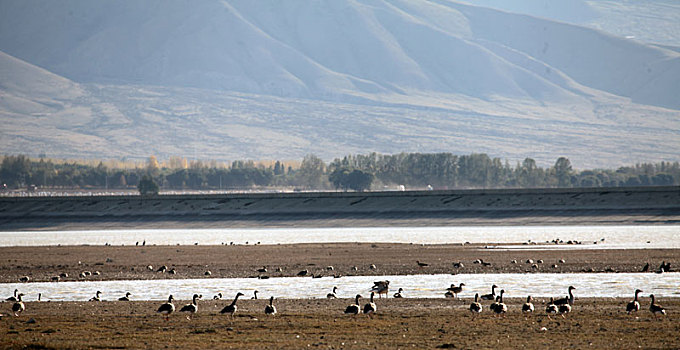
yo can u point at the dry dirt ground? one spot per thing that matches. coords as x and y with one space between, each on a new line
321 324
130 262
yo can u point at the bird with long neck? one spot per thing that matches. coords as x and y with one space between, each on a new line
476 307
528 307
167 308
568 299
501 308
370 308
654 308
354 308
491 296
96 297
231 308
332 294
398 293
126 297
18 306
14 297
456 289
551 309
270 309
634 305
191 308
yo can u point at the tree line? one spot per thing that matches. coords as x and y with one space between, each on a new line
353 172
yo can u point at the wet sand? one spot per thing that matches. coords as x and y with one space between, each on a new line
227 261
399 323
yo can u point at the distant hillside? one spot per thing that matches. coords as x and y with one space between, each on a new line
265 79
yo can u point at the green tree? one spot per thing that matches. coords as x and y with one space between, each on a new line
147 186
562 171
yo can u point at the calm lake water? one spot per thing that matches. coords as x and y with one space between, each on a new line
614 236
420 286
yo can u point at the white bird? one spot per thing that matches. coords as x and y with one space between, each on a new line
270 309
634 305
167 308
191 308
370 307
332 295
354 308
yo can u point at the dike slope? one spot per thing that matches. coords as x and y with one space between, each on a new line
655 205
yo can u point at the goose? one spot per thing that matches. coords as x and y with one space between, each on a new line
254 297
24 279
126 297
566 300
19 306
262 270
422 264
218 296
14 297
455 290
167 308
270 309
381 287
564 309
491 296
634 305
654 308
448 294
398 293
501 308
39 296
96 297
645 268
551 309
302 273
332 295
231 308
493 305
528 307
354 308
370 307
191 308
476 307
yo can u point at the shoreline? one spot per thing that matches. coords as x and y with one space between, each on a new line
41 263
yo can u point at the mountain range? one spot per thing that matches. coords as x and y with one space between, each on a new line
280 79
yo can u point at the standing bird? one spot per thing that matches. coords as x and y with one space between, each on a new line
126 297
551 309
167 308
96 297
501 308
354 308
381 287
491 296
564 309
270 309
528 307
14 297
332 295
455 290
634 305
19 306
231 308
370 307
398 293
654 308
191 308
476 307
568 299
254 297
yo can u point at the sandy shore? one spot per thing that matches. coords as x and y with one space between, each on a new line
130 262
399 323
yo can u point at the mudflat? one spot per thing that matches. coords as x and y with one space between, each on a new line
347 259
321 324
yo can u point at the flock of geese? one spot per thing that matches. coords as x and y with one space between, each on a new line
560 306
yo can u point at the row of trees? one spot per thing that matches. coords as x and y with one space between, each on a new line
352 172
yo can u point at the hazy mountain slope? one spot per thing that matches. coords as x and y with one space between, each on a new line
280 79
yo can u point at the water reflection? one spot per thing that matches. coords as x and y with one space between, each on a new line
420 286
